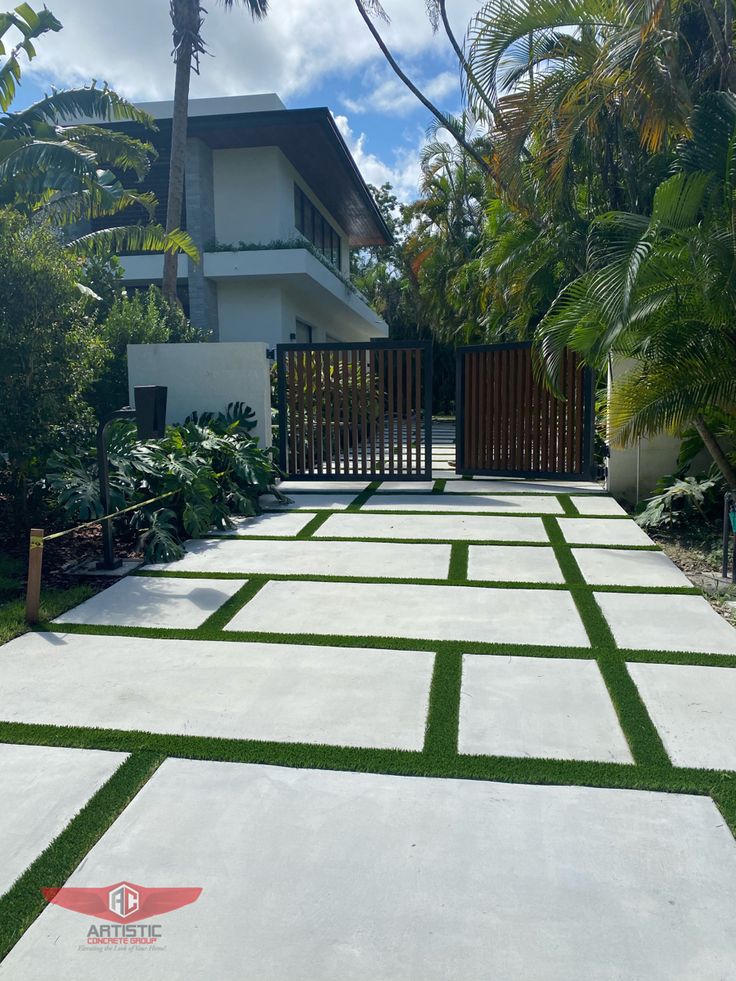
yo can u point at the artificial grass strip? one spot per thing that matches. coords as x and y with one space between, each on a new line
24 901
439 486
225 613
437 763
444 706
54 602
459 554
568 506
364 496
644 741
309 529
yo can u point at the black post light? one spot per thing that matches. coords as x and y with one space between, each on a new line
150 416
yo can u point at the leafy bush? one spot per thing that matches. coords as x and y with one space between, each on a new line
680 500
141 318
49 353
210 465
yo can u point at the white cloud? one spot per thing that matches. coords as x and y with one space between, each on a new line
128 44
389 95
403 173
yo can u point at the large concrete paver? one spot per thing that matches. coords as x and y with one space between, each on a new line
471 613
515 503
41 789
333 876
451 527
511 485
284 525
336 695
661 622
693 709
556 708
141 601
603 531
628 567
513 563
313 557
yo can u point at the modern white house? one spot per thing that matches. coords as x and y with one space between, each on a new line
274 202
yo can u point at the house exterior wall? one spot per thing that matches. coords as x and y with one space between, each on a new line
254 199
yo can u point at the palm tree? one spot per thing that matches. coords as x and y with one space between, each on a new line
187 18
56 168
661 289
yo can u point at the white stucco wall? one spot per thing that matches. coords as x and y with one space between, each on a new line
251 310
634 471
254 198
205 378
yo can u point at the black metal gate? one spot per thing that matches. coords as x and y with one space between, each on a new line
355 410
508 425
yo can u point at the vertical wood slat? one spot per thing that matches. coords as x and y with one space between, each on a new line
299 415
472 456
400 409
534 411
344 369
570 424
372 407
332 360
361 356
418 403
579 415
409 408
326 428
482 410
497 382
381 389
290 423
390 362
354 410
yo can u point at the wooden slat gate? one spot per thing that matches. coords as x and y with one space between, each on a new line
355 410
508 425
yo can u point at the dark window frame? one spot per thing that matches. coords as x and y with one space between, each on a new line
313 225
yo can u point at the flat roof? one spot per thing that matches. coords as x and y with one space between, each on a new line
308 138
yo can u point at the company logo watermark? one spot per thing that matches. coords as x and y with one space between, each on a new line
124 905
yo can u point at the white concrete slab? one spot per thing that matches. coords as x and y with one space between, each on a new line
491 616
333 876
556 708
281 525
603 531
343 696
521 503
597 505
310 557
326 486
434 527
140 601
657 622
628 567
43 787
406 486
313 502
509 485
513 563
693 709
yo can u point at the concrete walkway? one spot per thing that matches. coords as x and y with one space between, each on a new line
324 682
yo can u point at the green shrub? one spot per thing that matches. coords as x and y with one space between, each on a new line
210 465
49 354
681 500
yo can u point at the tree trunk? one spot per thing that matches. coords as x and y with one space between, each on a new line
181 13
723 43
438 115
714 448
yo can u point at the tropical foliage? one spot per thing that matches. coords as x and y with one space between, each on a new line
586 198
56 166
210 467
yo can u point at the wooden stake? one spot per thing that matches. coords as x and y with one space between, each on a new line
35 564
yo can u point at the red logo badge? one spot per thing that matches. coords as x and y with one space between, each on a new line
123 902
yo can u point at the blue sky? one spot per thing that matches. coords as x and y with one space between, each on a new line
311 52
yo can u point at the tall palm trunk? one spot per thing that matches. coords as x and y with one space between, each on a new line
186 19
